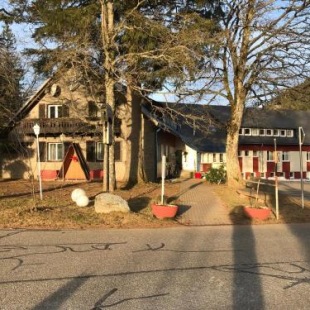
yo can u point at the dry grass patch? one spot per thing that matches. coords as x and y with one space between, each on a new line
290 210
20 208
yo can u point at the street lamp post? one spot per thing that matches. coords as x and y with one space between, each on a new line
62 138
36 129
105 147
301 138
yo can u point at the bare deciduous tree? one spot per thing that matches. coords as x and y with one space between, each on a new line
263 48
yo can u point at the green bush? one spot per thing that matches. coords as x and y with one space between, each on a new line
216 175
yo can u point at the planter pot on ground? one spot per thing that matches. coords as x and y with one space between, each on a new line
164 211
257 213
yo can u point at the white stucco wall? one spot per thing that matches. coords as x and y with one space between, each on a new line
189 159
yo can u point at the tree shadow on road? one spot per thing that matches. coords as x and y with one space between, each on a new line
247 292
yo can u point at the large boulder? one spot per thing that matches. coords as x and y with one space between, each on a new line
106 203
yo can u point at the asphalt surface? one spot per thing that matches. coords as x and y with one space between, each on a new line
212 267
293 188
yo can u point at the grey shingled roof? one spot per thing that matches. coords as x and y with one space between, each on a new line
215 118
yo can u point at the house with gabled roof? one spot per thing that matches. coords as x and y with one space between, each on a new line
71 136
192 136
269 140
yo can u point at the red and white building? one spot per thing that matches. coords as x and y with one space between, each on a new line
268 140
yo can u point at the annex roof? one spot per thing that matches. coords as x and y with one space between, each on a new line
203 127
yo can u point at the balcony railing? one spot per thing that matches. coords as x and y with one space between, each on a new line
58 126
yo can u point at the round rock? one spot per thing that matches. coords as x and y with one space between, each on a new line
76 193
107 203
82 201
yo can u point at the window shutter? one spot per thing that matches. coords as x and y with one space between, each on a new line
92 109
90 151
117 126
43 151
117 151
42 111
65 111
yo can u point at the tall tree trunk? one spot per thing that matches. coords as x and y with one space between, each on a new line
127 131
131 132
141 171
105 168
237 96
108 44
234 178
133 135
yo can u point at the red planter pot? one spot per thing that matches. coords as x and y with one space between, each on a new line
164 211
257 213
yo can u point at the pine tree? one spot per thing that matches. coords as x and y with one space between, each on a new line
10 76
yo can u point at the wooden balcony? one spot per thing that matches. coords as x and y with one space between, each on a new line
57 126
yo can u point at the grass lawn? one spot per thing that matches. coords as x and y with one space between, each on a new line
290 210
21 207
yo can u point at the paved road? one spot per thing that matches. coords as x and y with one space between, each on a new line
293 188
215 267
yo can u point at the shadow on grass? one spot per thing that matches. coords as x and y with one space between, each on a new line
29 193
137 204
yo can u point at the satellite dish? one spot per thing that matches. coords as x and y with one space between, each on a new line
55 90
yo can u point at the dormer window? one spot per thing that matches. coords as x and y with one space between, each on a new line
290 133
255 132
262 132
247 131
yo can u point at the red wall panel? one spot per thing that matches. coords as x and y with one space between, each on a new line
286 169
255 164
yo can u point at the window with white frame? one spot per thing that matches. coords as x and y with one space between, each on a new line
239 153
55 111
241 131
247 131
282 133
221 157
261 132
99 151
214 157
246 153
255 132
269 156
55 151
255 153
290 133
308 156
285 156
276 132
269 132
